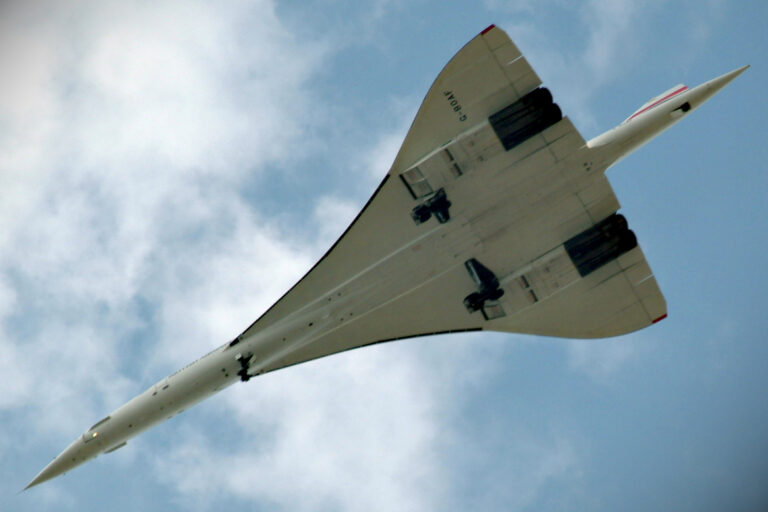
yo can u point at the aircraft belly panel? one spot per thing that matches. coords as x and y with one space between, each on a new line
430 307
475 84
598 198
585 301
524 79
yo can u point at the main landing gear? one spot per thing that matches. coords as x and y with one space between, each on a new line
245 363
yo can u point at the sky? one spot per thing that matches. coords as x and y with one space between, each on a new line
169 169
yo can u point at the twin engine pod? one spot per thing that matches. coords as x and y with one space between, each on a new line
525 118
603 242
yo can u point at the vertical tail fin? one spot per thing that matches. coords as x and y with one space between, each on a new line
658 100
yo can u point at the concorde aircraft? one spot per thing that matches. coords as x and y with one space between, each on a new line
496 215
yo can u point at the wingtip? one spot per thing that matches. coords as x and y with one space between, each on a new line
488 29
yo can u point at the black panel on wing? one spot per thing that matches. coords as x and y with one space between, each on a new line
525 118
603 242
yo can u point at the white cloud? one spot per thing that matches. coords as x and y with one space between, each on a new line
379 159
333 215
127 132
514 6
595 59
548 458
610 47
603 359
371 160
220 283
326 436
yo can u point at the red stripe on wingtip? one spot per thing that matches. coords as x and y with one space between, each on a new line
662 317
488 29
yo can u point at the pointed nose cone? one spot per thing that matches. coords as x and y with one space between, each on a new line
718 83
67 460
703 92
52 470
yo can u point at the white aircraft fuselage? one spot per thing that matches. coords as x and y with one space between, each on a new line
288 339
